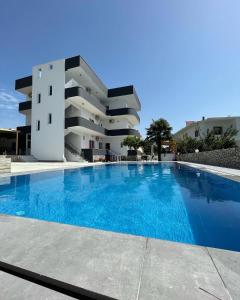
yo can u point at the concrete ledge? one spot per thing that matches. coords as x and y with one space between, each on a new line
117 265
5 164
233 174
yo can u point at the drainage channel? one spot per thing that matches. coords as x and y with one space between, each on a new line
53 284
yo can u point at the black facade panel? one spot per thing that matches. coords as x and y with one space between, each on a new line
122 111
25 105
24 129
79 121
71 92
72 62
121 91
23 82
125 131
88 154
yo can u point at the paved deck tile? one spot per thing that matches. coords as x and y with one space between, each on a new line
228 265
179 271
14 288
101 261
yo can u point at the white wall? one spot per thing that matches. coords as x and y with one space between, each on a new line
117 103
48 143
28 120
117 124
115 144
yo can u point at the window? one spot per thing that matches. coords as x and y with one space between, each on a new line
217 130
196 133
50 90
84 138
39 73
91 144
88 89
50 67
49 118
100 145
39 98
38 125
121 145
28 140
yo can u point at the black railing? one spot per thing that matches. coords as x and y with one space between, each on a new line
124 131
23 82
80 92
123 111
24 129
26 105
79 121
89 154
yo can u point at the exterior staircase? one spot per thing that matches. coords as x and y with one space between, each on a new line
72 153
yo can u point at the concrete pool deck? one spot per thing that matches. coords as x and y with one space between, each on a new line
116 265
30 167
233 174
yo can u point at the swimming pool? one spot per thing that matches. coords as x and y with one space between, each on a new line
166 201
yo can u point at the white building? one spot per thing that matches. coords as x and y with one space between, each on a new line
197 129
71 114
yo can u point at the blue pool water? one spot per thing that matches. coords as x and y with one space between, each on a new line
166 201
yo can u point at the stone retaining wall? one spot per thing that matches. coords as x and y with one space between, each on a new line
229 158
5 164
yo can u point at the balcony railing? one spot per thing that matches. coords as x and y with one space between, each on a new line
24 129
26 105
79 121
123 111
23 82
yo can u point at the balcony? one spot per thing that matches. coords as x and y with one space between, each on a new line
129 94
82 97
85 124
124 131
24 85
89 127
124 111
24 106
24 129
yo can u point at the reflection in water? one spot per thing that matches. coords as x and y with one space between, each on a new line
164 201
213 205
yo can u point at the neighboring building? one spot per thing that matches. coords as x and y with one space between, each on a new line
71 114
7 141
197 129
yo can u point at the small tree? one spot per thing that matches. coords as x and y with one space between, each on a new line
158 132
132 141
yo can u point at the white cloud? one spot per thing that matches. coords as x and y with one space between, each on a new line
8 101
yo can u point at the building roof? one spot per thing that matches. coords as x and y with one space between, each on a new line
7 130
193 123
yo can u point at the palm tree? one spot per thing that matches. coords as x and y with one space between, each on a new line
158 132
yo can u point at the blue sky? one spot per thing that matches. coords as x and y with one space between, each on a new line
182 56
